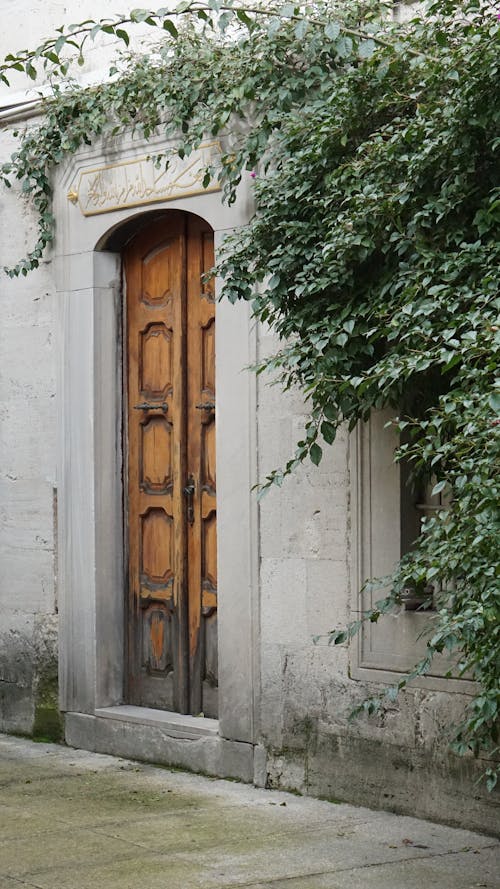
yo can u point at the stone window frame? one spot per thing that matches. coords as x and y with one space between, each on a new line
383 652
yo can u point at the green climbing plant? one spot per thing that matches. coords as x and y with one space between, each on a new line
373 251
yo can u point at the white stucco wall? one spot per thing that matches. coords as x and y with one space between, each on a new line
28 396
27 468
35 20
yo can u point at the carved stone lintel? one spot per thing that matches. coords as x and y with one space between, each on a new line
138 181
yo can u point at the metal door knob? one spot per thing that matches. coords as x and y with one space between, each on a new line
188 491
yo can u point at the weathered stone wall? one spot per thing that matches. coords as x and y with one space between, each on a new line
399 760
28 410
28 500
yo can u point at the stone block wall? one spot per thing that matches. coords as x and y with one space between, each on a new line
28 496
399 760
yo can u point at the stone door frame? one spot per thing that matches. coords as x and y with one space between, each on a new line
90 511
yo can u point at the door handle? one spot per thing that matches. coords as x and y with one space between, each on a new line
147 406
188 492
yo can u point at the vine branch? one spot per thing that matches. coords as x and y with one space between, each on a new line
75 36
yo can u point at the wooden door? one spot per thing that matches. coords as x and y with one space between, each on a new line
171 486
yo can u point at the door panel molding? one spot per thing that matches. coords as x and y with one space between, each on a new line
170 467
154 273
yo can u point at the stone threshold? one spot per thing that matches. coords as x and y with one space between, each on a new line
171 739
176 725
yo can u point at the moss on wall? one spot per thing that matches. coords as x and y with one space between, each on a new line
48 722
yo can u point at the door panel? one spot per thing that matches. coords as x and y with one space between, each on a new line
171 507
202 540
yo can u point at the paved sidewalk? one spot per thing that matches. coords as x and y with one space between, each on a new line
76 820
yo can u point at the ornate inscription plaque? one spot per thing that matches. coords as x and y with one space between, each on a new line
136 182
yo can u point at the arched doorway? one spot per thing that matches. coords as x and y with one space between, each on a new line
169 466
91 515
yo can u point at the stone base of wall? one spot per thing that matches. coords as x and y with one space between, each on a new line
29 677
333 767
386 776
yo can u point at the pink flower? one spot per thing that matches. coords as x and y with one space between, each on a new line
253 174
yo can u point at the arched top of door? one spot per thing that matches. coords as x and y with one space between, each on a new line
118 236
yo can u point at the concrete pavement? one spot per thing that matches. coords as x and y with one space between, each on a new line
76 820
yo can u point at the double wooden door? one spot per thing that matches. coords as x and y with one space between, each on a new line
170 464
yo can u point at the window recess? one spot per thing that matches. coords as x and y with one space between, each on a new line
417 502
386 520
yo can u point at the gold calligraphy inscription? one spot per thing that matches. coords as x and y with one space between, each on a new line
136 182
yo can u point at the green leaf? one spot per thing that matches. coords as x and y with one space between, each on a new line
366 48
438 488
343 47
337 637
494 401
123 35
491 779
328 431
301 29
332 30
169 26
139 15
288 10
243 17
315 453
